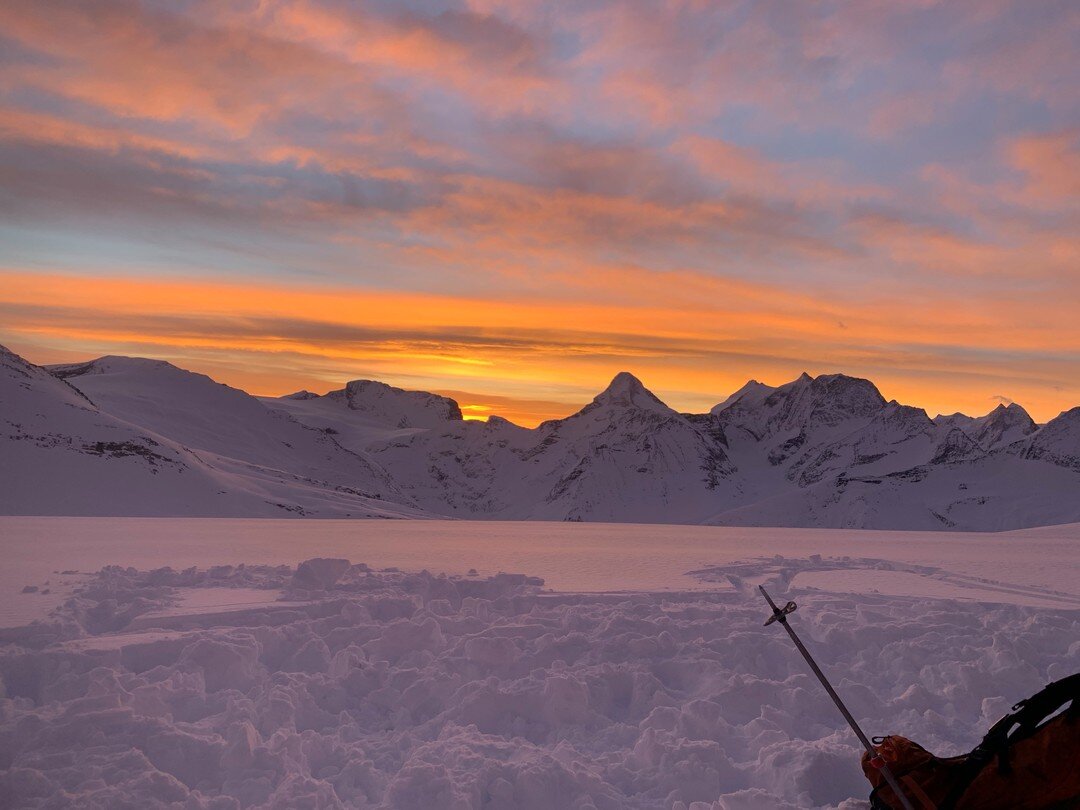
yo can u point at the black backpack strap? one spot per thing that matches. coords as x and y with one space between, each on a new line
1022 722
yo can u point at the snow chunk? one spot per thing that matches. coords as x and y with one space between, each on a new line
320 573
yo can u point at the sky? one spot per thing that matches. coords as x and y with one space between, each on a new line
510 202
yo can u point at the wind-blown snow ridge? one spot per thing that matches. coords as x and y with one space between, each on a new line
826 451
353 688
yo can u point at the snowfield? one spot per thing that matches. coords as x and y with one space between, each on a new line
335 684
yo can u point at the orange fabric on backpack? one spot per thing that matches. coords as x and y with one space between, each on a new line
1038 772
910 762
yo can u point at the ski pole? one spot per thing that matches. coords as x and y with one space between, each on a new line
780 615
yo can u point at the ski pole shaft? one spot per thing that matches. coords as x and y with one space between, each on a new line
780 615
821 676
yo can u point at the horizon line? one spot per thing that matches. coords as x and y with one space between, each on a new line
474 411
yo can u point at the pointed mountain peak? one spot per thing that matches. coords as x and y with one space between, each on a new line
1013 409
752 393
302 394
1006 415
1003 425
627 391
622 384
801 383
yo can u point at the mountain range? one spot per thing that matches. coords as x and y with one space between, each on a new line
131 436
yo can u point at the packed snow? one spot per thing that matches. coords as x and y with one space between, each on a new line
329 683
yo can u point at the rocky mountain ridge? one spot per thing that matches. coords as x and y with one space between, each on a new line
826 451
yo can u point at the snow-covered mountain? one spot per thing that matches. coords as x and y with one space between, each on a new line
1057 442
857 461
825 451
128 436
1002 426
626 456
366 410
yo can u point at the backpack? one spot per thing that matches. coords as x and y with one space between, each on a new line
1028 760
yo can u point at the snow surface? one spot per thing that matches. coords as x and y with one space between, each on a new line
343 685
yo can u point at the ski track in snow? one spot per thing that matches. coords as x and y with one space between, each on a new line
847 573
338 686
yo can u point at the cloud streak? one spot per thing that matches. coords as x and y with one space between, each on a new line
548 350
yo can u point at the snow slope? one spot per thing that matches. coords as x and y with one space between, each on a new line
996 493
752 394
1058 442
145 438
221 422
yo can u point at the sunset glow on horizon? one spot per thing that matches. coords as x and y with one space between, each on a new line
510 202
